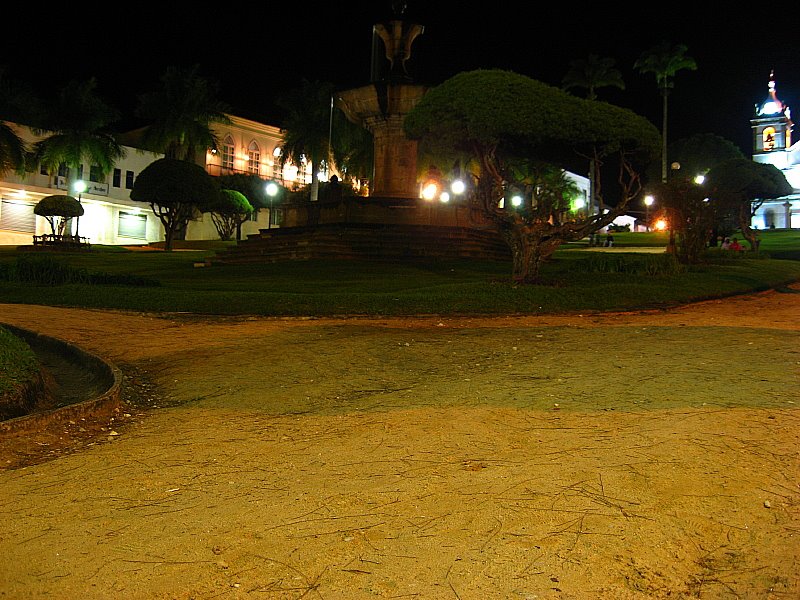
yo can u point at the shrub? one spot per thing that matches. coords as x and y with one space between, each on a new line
649 264
49 270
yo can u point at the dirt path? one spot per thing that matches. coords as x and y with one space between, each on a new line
626 456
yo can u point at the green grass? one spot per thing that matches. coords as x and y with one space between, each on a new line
575 280
18 363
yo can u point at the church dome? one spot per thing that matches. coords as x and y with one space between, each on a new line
771 106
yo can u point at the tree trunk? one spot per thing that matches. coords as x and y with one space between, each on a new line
664 140
528 255
747 232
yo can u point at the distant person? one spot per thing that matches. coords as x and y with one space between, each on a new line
726 244
334 191
609 240
736 246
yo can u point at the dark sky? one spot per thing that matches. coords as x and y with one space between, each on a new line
258 51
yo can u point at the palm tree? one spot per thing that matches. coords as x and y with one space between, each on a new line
664 61
306 127
180 115
591 73
17 104
76 128
352 148
12 150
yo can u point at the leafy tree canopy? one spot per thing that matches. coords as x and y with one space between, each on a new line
519 115
747 179
169 182
231 202
511 131
58 205
592 73
176 190
250 185
740 186
181 113
698 153
77 128
57 210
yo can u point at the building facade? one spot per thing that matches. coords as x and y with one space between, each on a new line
112 218
772 144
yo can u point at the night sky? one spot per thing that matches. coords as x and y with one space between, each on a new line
257 52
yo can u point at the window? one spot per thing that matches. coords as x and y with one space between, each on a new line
769 138
96 175
80 171
128 180
277 171
117 181
17 216
253 158
132 225
227 152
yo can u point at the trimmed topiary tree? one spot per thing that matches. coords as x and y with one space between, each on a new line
229 211
58 209
514 134
177 191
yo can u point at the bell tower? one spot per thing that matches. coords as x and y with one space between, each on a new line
772 125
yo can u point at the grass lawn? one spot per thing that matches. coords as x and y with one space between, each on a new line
577 279
18 364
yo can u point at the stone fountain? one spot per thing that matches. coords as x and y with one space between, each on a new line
381 106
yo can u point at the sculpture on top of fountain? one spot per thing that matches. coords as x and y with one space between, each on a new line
397 36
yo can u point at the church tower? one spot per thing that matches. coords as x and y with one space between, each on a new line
772 125
772 144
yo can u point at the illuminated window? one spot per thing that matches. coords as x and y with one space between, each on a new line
253 158
769 138
227 152
277 171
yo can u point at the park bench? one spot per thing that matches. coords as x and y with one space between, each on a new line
65 242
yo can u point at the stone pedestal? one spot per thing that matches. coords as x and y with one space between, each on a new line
381 108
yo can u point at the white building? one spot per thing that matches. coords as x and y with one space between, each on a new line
111 217
772 144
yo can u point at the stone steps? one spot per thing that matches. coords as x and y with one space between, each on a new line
365 241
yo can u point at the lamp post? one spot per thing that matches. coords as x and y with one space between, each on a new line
648 202
80 187
272 191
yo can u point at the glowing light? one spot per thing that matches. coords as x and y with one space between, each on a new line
445 197
516 200
648 200
272 189
660 225
79 186
458 187
699 179
429 191
579 204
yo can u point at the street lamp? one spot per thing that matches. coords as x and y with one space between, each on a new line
648 202
272 191
80 187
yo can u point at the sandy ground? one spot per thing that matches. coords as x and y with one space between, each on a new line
620 456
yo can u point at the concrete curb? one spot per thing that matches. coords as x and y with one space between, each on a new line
104 405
